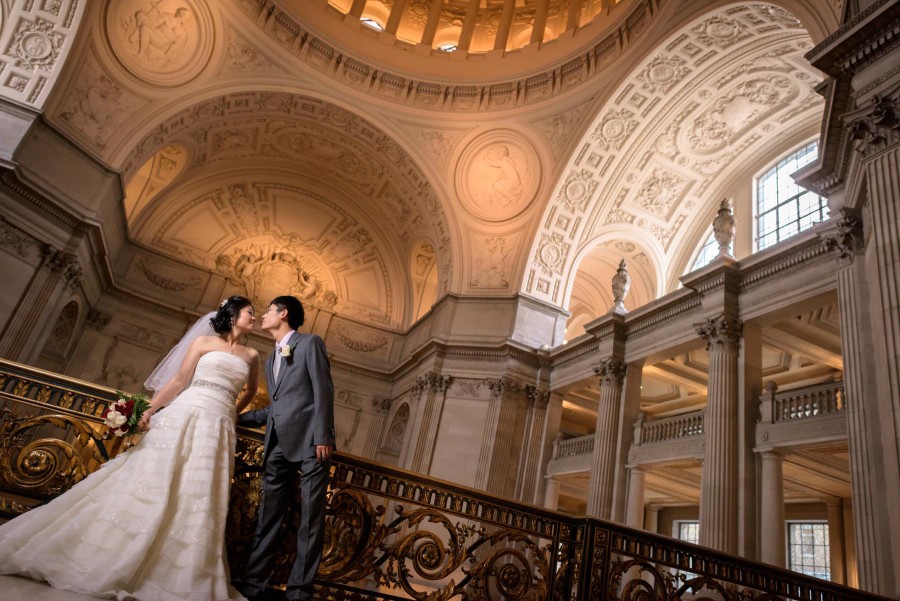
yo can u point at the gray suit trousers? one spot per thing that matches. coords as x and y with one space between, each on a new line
279 479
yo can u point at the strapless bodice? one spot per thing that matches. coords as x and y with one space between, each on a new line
221 371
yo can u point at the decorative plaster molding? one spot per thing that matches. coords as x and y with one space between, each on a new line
720 332
610 372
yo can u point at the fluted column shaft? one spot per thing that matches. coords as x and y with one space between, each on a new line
836 539
883 275
430 390
719 485
606 434
772 542
94 323
634 513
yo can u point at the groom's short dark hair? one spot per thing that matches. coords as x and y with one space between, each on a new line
294 308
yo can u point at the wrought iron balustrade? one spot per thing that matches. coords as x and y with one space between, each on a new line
393 534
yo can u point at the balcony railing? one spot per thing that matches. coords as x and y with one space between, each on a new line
669 428
574 447
393 534
803 403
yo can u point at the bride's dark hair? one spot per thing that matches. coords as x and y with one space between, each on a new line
228 312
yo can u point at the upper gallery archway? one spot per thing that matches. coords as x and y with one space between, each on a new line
728 89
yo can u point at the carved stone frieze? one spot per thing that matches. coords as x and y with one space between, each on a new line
169 282
349 398
143 336
493 261
610 372
358 340
96 106
558 128
17 241
242 56
720 332
504 387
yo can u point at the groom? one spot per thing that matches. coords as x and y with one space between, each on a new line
299 424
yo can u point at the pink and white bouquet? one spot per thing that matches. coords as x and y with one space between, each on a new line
123 416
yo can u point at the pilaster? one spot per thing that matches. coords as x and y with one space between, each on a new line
39 307
429 391
94 322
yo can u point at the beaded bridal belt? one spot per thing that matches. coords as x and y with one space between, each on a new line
210 384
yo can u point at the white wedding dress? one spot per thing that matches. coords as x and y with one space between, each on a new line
149 524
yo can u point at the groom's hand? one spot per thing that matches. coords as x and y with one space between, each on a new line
323 452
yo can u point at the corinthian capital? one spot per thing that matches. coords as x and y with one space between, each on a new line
846 237
431 382
610 371
720 331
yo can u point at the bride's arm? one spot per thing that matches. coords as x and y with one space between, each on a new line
178 382
252 384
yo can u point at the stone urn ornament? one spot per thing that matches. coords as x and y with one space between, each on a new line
724 228
621 282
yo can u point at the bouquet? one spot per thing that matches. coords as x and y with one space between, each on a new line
123 416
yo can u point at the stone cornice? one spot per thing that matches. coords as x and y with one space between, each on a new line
853 46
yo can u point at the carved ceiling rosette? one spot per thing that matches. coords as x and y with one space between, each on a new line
163 42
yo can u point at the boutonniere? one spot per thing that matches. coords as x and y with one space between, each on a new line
287 350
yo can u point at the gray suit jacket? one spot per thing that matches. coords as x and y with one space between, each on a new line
301 407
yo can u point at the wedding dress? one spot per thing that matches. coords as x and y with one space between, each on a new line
149 524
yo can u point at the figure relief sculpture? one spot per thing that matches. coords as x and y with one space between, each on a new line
157 35
507 184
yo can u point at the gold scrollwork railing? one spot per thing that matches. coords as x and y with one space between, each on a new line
393 534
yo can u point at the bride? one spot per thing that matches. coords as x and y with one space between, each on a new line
150 524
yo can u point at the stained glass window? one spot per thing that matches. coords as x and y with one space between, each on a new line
808 551
784 209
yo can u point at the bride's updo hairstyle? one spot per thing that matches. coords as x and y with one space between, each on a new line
227 313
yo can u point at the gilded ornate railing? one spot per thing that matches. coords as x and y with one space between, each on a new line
392 534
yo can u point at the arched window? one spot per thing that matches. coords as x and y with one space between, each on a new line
708 252
784 209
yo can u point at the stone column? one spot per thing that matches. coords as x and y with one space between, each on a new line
376 428
94 322
430 390
719 480
499 463
772 541
39 307
551 493
544 417
634 513
883 275
836 539
396 16
603 461
506 20
844 237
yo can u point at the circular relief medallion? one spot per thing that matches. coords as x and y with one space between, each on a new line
163 42
498 175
